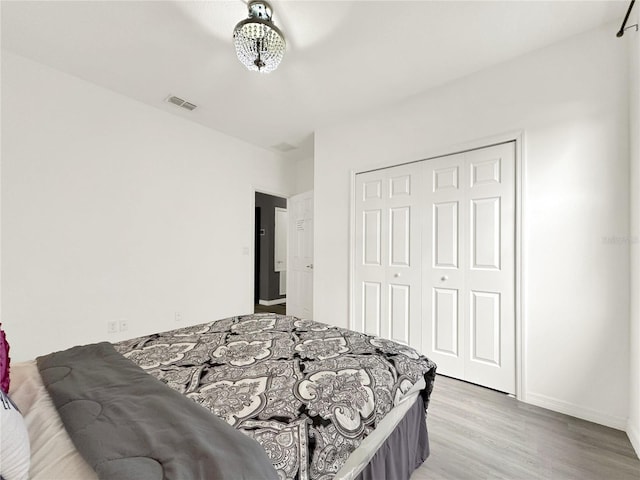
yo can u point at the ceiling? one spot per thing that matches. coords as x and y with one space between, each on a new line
344 58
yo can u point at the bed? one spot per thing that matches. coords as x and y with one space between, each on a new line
318 401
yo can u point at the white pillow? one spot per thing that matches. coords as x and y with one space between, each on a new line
15 452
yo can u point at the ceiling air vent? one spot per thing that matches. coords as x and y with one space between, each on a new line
181 103
284 147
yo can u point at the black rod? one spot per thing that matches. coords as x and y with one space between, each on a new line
624 22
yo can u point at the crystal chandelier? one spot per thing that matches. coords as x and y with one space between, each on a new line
259 43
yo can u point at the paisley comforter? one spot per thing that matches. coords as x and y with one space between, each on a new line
309 393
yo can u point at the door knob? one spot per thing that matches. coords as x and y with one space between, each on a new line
397 275
310 266
444 278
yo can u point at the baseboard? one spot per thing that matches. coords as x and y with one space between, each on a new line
619 423
277 301
633 432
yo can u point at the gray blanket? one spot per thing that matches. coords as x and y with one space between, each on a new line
129 425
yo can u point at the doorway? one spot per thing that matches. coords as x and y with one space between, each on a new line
270 245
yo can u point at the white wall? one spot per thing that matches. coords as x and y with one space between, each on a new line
571 101
304 175
633 427
113 209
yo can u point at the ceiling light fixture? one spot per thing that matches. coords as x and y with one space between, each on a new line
259 43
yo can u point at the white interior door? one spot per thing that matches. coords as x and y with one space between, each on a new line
387 257
300 256
469 272
281 220
280 239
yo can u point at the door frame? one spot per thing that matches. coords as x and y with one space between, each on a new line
518 137
252 246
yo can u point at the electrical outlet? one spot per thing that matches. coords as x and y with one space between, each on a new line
112 326
178 317
124 325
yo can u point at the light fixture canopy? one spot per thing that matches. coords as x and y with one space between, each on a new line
260 45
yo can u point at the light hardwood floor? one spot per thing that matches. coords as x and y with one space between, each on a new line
477 433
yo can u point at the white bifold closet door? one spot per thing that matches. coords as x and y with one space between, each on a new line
457 220
388 264
468 273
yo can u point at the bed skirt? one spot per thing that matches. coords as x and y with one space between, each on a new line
403 451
